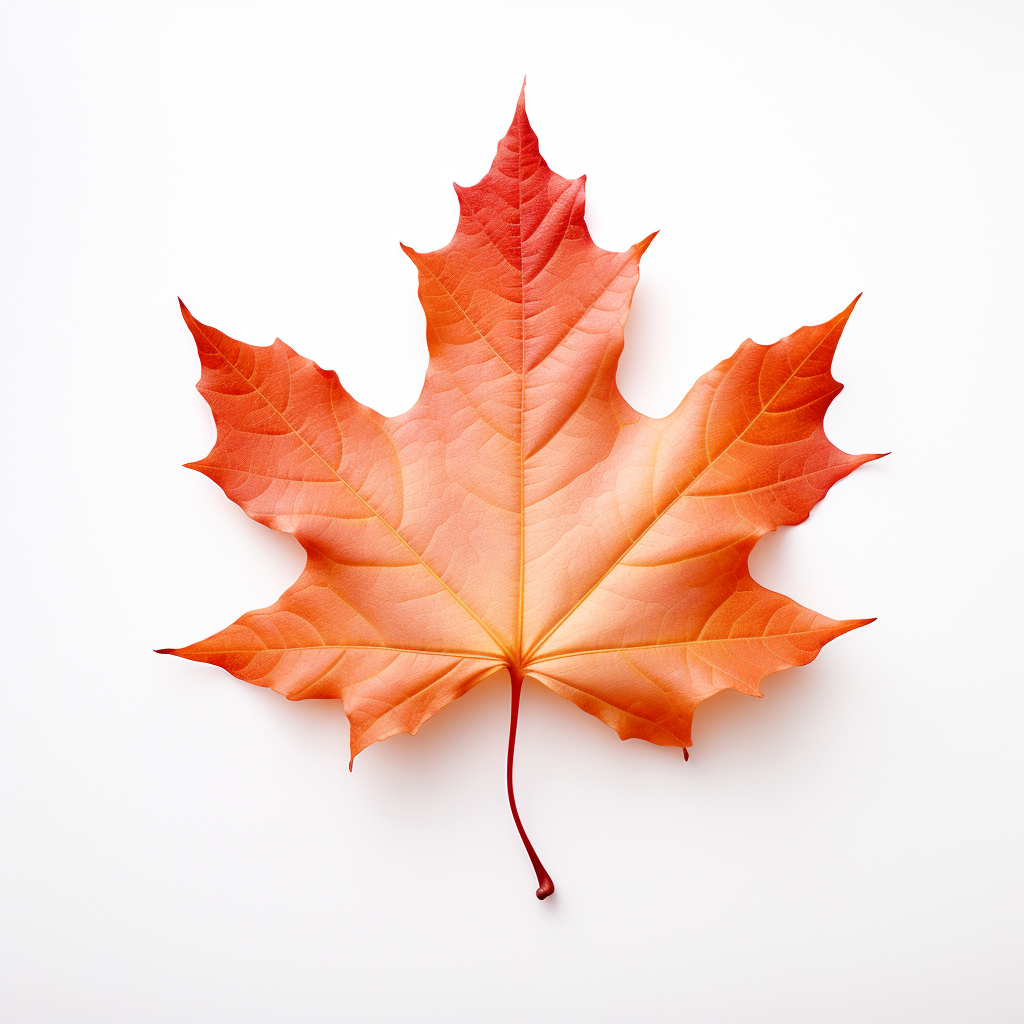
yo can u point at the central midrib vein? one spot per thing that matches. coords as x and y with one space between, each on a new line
522 406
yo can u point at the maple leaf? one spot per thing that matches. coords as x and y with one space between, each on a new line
522 515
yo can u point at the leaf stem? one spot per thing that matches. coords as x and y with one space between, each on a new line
546 887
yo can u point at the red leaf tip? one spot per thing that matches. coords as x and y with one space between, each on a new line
874 456
520 134
641 246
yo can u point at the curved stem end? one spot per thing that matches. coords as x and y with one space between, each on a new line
546 887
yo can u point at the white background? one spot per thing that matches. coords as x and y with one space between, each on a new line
180 846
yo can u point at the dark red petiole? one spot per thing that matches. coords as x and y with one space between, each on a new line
546 886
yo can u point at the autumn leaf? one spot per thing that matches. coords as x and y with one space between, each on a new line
522 515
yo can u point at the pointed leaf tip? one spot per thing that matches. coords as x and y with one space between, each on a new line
642 246
521 110
849 625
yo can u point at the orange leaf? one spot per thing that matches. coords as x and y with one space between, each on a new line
522 515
